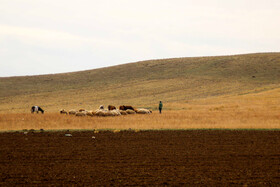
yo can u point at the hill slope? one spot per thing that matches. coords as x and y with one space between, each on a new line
143 83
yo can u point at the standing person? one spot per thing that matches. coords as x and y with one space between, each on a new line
160 107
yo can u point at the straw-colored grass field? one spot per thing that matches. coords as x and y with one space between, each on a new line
143 84
240 91
233 92
168 120
253 111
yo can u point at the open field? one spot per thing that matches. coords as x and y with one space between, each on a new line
250 111
229 93
150 158
144 84
184 119
217 118
168 120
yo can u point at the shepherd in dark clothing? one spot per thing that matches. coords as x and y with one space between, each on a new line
160 107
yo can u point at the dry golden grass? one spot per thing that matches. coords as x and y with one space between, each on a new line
143 84
187 119
240 91
252 111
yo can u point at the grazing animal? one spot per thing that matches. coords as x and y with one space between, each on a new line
101 107
143 111
36 109
99 112
72 112
82 110
114 112
124 107
123 112
81 114
111 107
89 113
129 111
62 111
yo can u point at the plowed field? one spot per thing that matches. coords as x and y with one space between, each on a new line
189 157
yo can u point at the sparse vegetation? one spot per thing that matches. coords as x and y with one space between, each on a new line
252 111
209 92
143 84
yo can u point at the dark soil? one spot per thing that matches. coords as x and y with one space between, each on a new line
190 157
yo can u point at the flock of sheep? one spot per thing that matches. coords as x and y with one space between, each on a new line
111 111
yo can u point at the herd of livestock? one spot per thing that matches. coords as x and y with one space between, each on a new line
111 111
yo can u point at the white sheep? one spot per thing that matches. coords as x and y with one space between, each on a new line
99 112
142 111
63 111
89 113
123 112
81 114
115 112
129 111
72 112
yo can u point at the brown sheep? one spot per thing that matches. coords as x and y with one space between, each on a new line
111 107
123 107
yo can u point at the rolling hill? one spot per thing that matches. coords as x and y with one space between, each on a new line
143 84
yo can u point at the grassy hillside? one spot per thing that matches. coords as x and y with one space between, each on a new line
143 84
250 111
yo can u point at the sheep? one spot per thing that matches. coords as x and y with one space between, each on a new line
72 112
142 111
129 111
101 107
99 112
82 110
123 112
89 113
123 107
115 112
107 113
110 107
62 111
81 114
36 109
